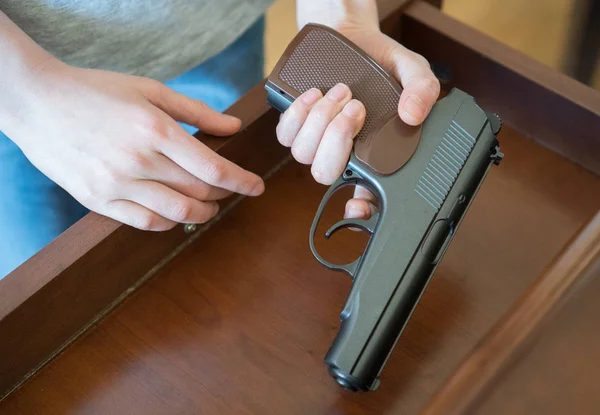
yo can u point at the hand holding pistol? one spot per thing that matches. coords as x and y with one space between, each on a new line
424 178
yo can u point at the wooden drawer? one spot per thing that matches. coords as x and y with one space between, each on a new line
236 316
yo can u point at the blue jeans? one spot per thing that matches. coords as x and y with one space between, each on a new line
34 210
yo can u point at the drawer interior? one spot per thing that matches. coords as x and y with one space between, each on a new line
239 322
237 317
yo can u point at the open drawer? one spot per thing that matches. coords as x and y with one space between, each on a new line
236 316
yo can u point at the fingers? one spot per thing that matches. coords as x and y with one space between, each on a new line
357 209
335 147
171 140
306 142
421 87
133 214
170 204
362 193
362 206
320 130
419 95
206 165
295 116
173 176
188 110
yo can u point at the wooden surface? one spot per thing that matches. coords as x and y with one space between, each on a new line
544 104
74 280
34 322
239 322
582 61
565 348
558 374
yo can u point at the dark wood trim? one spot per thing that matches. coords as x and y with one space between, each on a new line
521 325
391 8
548 106
436 3
64 288
583 46
70 284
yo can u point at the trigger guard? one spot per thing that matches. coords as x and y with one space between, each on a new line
350 268
367 225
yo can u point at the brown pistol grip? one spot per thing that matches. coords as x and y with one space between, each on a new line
319 57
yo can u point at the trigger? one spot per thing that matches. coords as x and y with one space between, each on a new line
367 225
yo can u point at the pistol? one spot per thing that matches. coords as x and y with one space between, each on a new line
424 179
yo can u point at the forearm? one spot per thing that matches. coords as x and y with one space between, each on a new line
21 59
338 14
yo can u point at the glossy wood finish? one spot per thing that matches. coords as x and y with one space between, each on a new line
239 322
566 284
77 278
546 105
584 46
558 373
73 269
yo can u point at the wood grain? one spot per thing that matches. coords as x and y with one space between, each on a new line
239 322
87 267
512 335
71 282
558 373
544 104
391 8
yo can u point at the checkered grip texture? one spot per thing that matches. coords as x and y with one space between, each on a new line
321 61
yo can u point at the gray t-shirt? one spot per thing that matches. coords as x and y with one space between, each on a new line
159 39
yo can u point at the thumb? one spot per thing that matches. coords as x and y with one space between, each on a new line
188 110
420 86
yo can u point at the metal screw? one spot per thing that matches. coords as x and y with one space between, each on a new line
190 227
